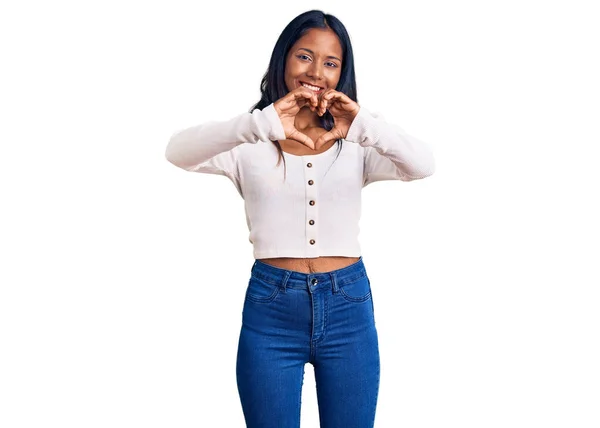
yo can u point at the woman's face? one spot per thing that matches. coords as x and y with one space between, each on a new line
315 59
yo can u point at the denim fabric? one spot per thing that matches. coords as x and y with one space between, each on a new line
292 318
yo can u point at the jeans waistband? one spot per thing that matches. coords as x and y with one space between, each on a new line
285 278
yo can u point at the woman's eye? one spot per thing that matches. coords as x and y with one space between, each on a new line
330 64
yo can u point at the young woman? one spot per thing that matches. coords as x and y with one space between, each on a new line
308 299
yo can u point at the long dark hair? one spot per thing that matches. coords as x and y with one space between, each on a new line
273 87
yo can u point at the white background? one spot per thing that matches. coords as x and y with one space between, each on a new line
123 276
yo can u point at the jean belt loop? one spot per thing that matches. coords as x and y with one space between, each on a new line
284 280
334 286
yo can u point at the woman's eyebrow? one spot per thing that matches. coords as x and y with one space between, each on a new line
312 53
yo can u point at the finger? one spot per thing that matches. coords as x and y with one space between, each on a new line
309 103
327 91
303 93
323 105
301 102
325 138
328 98
302 138
334 96
313 102
342 101
297 98
303 97
322 96
332 92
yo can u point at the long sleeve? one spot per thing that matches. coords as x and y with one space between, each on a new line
209 147
390 153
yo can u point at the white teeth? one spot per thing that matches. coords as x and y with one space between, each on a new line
312 88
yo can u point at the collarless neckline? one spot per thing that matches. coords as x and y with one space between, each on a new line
330 149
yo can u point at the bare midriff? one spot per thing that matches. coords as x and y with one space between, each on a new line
311 265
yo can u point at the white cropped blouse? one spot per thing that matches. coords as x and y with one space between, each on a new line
316 210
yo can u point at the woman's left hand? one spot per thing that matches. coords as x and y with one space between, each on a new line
343 110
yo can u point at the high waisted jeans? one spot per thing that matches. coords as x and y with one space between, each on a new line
292 318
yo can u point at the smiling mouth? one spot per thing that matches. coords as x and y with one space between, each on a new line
311 87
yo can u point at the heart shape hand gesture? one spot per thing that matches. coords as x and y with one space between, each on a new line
342 108
288 106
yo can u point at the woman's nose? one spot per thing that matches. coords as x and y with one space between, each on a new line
315 71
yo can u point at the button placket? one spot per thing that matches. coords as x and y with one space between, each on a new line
312 208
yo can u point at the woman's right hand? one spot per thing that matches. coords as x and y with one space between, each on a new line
288 106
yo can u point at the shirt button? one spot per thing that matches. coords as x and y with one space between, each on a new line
309 165
311 222
312 242
310 182
312 202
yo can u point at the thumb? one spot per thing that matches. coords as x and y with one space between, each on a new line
324 139
302 138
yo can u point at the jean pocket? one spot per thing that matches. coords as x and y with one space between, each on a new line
259 291
357 291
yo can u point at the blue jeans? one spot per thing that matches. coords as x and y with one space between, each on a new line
292 318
